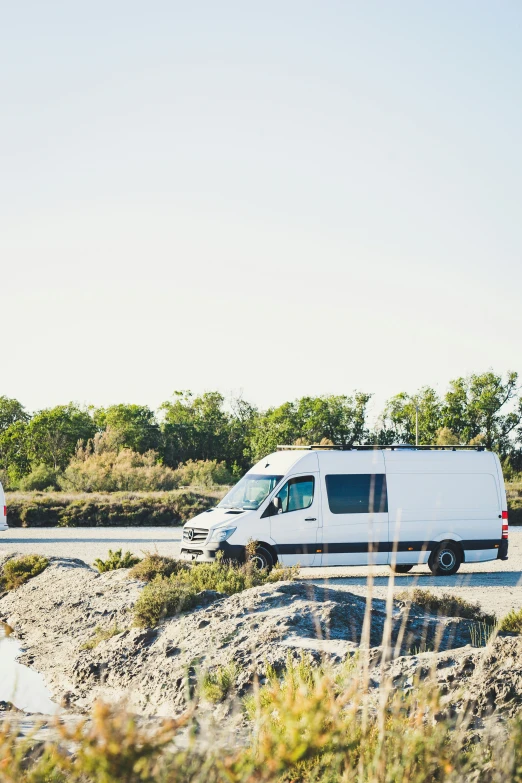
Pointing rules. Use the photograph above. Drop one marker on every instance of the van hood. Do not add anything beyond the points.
(216, 517)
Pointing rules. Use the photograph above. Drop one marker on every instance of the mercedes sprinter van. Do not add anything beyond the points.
(395, 505)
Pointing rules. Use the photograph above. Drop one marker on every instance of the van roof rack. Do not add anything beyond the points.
(390, 446)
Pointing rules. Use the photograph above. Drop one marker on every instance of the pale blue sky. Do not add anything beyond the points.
(282, 198)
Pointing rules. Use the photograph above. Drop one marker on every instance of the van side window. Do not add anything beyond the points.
(296, 494)
(357, 493)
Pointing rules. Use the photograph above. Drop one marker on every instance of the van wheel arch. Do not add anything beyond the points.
(457, 545)
(457, 553)
(269, 548)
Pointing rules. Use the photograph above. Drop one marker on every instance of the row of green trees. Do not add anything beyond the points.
(480, 408)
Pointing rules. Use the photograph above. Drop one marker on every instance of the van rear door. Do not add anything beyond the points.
(435, 496)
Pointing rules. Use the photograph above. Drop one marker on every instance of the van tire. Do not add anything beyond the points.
(445, 560)
(401, 568)
(262, 559)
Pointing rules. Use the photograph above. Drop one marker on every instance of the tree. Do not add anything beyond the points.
(484, 407)
(53, 433)
(132, 426)
(195, 428)
(398, 421)
(338, 419)
(14, 452)
(11, 411)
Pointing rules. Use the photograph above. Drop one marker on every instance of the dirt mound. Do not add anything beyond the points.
(56, 614)
(479, 682)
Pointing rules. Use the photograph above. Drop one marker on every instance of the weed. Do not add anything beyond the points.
(480, 633)
(101, 635)
(20, 569)
(217, 684)
(116, 560)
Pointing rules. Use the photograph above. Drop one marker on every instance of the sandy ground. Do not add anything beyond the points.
(496, 585)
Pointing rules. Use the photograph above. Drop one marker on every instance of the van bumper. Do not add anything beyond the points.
(503, 550)
(208, 553)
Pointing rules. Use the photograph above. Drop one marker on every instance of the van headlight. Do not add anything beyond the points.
(221, 534)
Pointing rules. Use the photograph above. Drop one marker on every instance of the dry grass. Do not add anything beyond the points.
(446, 604)
(101, 635)
(308, 726)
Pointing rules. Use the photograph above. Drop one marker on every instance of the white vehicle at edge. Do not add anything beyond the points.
(395, 505)
(3, 510)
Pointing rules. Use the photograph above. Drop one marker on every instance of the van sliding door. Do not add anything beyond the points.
(355, 509)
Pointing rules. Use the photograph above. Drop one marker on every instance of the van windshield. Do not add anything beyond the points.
(250, 492)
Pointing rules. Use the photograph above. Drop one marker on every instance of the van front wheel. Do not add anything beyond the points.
(445, 560)
(262, 559)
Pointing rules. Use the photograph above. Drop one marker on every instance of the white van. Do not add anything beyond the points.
(395, 505)
(3, 510)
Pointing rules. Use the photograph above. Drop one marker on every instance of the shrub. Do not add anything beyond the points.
(94, 510)
(218, 684)
(512, 622)
(116, 560)
(446, 604)
(40, 479)
(204, 473)
(20, 569)
(162, 597)
(165, 597)
(101, 635)
(101, 467)
(154, 565)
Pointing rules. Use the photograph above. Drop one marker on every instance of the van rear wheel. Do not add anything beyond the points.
(445, 560)
(401, 568)
(262, 559)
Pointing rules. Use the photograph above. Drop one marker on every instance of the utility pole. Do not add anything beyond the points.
(416, 424)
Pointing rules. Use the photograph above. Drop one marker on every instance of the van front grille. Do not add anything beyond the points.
(195, 535)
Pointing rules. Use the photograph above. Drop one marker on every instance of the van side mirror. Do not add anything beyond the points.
(276, 503)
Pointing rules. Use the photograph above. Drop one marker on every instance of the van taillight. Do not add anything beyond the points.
(5, 511)
(505, 529)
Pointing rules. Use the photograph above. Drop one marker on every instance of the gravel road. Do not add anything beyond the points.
(496, 585)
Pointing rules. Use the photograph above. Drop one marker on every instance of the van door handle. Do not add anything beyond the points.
(310, 519)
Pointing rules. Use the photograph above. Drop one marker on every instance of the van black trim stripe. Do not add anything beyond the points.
(382, 546)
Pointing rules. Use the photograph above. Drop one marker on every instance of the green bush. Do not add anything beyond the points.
(116, 560)
(58, 509)
(512, 622)
(162, 597)
(154, 565)
(218, 683)
(41, 478)
(19, 570)
(167, 596)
